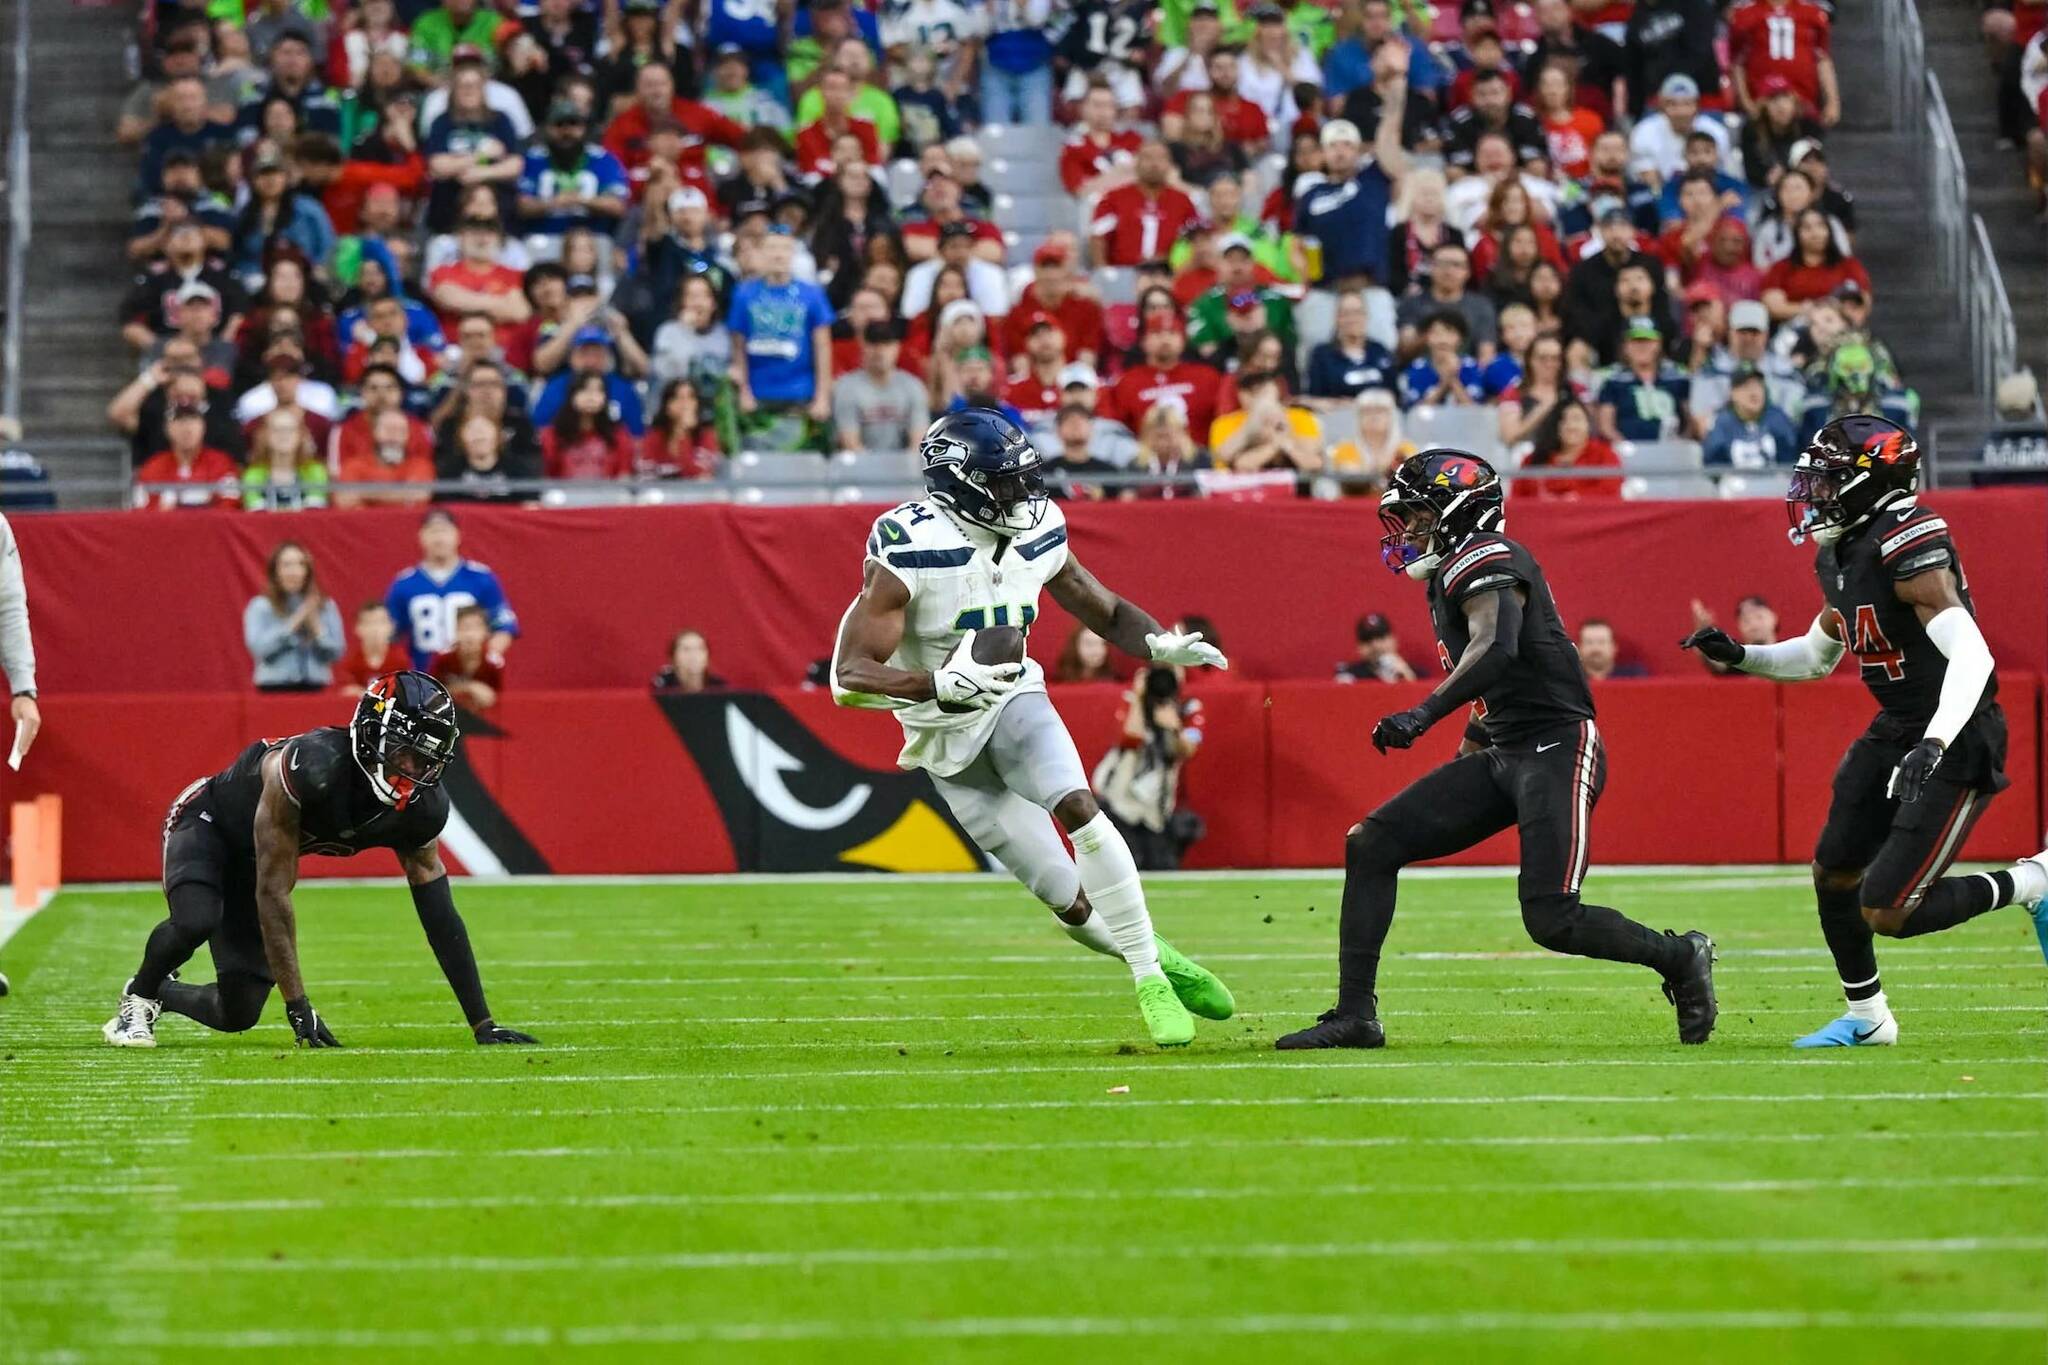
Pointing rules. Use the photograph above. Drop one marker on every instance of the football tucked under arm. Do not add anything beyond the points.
(1812, 655)
(868, 634)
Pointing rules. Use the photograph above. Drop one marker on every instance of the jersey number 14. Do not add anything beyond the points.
(1869, 644)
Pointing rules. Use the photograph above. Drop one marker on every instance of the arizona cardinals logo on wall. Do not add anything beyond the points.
(791, 804)
(481, 834)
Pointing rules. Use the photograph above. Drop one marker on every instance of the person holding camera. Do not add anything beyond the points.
(1138, 782)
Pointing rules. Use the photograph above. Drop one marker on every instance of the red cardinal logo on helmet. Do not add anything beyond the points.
(1455, 473)
(1887, 446)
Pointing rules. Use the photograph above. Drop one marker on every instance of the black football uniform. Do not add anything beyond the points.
(1106, 31)
(210, 832)
(1544, 766)
(1902, 848)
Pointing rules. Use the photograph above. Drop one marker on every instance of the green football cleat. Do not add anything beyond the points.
(1166, 1019)
(1197, 986)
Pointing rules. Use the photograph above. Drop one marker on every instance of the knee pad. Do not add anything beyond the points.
(1371, 846)
(241, 1002)
(1549, 920)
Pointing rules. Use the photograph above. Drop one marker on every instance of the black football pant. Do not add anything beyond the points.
(1886, 855)
(212, 898)
(1545, 787)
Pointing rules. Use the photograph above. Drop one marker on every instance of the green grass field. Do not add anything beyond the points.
(895, 1121)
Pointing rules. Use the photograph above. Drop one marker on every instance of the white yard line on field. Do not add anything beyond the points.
(1178, 1328)
(752, 1150)
(944, 1255)
(1060, 1194)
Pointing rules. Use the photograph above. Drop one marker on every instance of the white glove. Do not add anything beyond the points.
(1186, 648)
(961, 682)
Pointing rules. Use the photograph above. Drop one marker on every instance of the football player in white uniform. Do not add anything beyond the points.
(969, 556)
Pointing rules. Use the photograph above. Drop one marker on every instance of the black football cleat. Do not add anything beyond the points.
(1332, 1029)
(3, 983)
(1691, 989)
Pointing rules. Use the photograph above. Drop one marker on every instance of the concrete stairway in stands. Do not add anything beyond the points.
(1998, 188)
(74, 359)
(1920, 321)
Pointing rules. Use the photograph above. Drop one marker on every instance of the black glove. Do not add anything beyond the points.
(1914, 770)
(1401, 729)
(308, 1028)
(488, 1032)
(1716, 644)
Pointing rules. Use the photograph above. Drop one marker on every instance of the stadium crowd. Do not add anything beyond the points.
(1242, 252)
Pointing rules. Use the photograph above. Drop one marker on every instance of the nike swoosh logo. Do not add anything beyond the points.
(1864, 1034)
(295, 760)
(1546, 748)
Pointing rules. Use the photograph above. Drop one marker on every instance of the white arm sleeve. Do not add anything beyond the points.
(17, 650)
(1812, 655)
(1955, 634)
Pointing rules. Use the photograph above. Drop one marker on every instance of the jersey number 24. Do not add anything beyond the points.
(1869, 644)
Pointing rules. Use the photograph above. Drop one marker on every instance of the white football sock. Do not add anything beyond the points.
(1091, 933)
(2029, 881)
(1110, 876)
(1871, 1010)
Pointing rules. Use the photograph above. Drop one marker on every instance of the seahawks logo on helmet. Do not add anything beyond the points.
(1435, 502)
(978, 463)
(1855, 467)
(403, 735)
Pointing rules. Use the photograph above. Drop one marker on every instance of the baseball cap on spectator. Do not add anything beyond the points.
(1235, 241)
(1051, 253)
(1615, 212)
(1643, 329)
(1699, 291)
(1341, 130)
(653, 6)
(180, 156)
(269, 159)
(960, 308)
(566, 111)
(580, 284)
(881, 333)
(1749, 316)
(1804, 148)
(686, 197)
(729, 50)
(1079, 375)
(1373, 626)
(977, 353)
(1678, 86)
(198, 289)
(1204, 7)
(1850, 289)
(464, 53)
(591, 336)
(1773, 84)
(1745, 374)
(1477, 9)
(956, 229)
(752, 208)
(1273, 14)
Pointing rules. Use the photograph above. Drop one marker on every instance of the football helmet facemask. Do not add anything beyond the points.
(1855, 467)
(1433, 504)
(978, 463)
(403, 735)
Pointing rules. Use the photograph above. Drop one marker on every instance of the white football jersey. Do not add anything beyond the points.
(957, 583)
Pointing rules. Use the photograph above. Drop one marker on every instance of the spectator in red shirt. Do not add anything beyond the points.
(1683, 245)
(1036, 392)
(391, 447)
(1565, 440)
(1098, 156)
(1242, 120)
(680, 442)
(1053, 296)
(470, 672)
(584, 442)
(1787, 39)
(814, 139)
(1569, 128)
(654, 96)
(478, 283)
(1167, 377)
(1140, 221)
(372, 655)
(942, 206)
(212, 479)
(1816, 267)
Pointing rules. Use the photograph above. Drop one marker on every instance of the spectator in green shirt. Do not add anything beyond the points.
(1227, 213)
(870, 101)
(1172, 30)
(438, 32)
(1237, 305)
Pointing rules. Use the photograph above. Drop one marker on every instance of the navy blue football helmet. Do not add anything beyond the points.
(978, 463)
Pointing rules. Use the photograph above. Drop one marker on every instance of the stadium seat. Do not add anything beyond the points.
(1023, 143)
(1025, 212)
(1672, 485)
(1640, 457)
(1024, 176)
(673, 491)
(1339, 425)
(905, 182)
(619, 495)
(850, 467)
(1755, 484)
(756, 475)
(1116, 284)
(1476, 429)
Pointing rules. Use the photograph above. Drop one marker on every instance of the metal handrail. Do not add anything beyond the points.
(19, 219)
